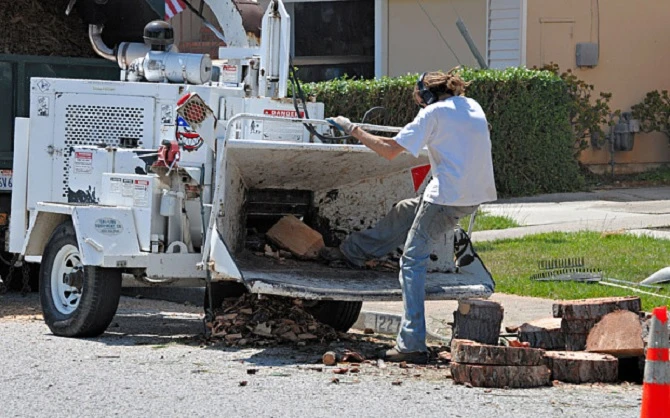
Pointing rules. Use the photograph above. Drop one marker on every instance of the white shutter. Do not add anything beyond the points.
(504, 33)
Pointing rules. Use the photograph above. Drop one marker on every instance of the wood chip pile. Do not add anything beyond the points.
(249, 320)
(38, 27)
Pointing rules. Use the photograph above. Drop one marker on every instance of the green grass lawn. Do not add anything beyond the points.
(486, 222)
(619, 256)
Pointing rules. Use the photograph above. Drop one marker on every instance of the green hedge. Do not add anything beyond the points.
(529, 111)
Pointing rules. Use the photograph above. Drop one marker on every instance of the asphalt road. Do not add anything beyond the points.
(151, 363)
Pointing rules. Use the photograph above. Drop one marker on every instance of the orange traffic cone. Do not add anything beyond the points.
(656, 388)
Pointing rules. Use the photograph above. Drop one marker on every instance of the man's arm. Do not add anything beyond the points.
(385, 147)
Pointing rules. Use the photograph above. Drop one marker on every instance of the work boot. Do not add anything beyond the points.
(414, 357)
(331, 254)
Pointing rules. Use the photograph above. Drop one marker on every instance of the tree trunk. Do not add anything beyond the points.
(500, 376)
(478, 320)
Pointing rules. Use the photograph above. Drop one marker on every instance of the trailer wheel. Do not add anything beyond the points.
(77, 300)
(339, 314)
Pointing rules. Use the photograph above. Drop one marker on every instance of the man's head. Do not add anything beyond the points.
(436, 85)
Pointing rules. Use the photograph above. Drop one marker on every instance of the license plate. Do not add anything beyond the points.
(6, 180)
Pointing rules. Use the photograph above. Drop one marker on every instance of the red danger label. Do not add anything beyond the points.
(283, 113)
(141, 182)
(83, 155)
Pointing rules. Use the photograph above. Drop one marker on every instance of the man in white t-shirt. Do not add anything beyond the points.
(455, 132)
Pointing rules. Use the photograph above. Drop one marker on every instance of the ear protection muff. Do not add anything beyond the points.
(427, 96)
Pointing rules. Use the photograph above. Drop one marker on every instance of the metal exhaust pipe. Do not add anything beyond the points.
(95, 35)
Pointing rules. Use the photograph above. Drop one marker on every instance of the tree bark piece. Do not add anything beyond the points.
(595, 308)
(543, 333)
(578, 326)
(575, 342)
(618, 334)
(581, 367)
(478, 320)
(291, 234)
(501, 376)
(470, 352)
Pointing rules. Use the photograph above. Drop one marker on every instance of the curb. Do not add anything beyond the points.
(388, 324)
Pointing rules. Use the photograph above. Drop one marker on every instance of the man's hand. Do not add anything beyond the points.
(342, 123)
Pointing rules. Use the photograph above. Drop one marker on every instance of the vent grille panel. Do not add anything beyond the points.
(94, 125)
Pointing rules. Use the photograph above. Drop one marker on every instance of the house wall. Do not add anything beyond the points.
(634, 44)
(415, 45)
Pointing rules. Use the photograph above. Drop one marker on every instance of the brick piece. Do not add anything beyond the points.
(470, 352)
(543, 333)
(618, 334)
(293, 235)
(595, 308)
(501, 376)
(581, 367)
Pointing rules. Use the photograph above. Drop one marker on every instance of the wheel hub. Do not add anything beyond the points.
(67, 279)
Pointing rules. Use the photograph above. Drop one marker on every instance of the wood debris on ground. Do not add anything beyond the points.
(250, 320)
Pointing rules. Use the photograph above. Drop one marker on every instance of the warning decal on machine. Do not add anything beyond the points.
(127, 188)
(141, 195)
(108, 226)
(115, 184)
(83, 162)
(283, 113)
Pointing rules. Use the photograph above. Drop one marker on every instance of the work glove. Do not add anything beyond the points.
(342, 123)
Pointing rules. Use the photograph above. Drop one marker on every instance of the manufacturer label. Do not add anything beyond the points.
(108, 226)
(283, 113)
(42, 106)
(83, 162)
(141, 193)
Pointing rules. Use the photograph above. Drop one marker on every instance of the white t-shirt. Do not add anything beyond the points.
(456, 134)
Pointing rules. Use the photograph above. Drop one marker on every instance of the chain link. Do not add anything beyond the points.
(25, 279)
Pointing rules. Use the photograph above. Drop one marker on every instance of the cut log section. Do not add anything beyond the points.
(543, 333)
(581, 367)
(595, 308)
(618, 334)
(501, 376)
(470, 352)
(293, 235)
(478, 320)
(578, 326)
(575, 342)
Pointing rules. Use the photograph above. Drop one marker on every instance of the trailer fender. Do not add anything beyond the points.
(101, 231)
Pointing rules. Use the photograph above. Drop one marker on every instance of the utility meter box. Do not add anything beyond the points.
(587, 54)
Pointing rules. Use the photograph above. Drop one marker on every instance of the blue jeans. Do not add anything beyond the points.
(415, 223)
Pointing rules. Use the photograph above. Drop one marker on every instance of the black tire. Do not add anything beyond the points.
(91, 310)
(339, 314)
(222, 290)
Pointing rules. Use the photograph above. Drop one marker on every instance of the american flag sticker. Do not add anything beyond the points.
(173, 8)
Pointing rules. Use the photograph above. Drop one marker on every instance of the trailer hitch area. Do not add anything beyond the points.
(75, 278)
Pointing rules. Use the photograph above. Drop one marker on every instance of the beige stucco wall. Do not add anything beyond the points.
(414, 45)
(634, 57)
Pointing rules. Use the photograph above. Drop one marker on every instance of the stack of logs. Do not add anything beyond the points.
(586, 341)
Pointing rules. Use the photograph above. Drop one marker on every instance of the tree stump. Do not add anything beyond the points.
(581, 367)
(489, 376)
(478, 320)
(543, 333)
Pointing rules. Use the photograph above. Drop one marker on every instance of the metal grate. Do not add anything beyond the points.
(94, 125)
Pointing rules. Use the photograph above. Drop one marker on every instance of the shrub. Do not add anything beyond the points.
(529, 111)
(654, 112)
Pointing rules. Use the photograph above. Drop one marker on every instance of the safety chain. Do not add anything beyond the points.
(25, 287)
